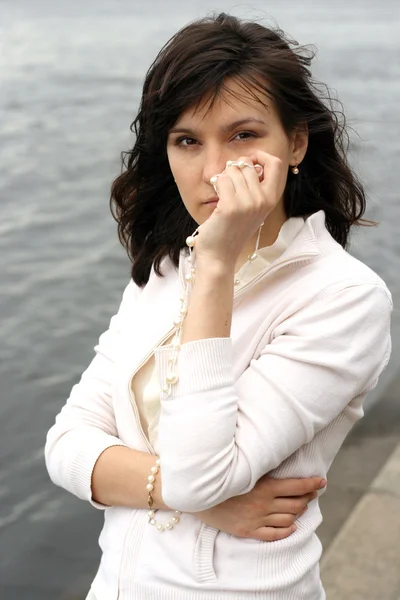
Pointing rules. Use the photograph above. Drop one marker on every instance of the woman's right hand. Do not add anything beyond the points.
(268, 512)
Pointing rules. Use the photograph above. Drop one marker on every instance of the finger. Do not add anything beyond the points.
(260, 157)
(252, 177)
(280, 520)
(243, 173)
(273, 534)
(225, 186)
(238, 177)
(251, 171)
(291, 506)
(273, 173)
(283, 519)
(296, 487)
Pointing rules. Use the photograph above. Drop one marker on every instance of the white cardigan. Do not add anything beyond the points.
(310, 336)
(145, 385)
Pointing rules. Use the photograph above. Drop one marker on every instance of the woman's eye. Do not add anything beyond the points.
(245, 135)
(185, 141)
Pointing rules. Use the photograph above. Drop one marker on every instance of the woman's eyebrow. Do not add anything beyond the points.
(234, 124)
(183, 130)
(224, 128)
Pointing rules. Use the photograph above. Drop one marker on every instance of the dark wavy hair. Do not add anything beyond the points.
(152, 220)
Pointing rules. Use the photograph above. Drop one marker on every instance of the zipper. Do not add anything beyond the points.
(133, 403)
(160, 342)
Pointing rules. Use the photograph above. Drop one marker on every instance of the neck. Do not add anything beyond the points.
(269, 233)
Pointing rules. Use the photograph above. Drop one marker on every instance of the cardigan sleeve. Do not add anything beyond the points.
(86, 426)
(218, 436)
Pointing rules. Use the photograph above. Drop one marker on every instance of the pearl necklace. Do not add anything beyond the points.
(172, 376)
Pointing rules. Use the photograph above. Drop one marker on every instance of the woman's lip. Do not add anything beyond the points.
(211, 201)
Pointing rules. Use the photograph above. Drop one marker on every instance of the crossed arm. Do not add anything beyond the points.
(85, 456)
(267, 513)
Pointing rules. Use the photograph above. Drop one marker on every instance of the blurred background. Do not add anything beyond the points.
(70, 82)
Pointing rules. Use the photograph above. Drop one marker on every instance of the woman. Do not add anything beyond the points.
(247, 339)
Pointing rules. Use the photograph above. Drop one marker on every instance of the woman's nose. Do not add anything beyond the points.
(214, 165)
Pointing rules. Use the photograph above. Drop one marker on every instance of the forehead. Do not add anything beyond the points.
(233, 100)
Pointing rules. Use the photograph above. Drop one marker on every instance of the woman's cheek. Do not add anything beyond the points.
(282, 183)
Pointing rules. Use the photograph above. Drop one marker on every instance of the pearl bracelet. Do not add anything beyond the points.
(150, 501)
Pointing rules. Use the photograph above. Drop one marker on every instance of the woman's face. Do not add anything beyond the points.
(202, 140)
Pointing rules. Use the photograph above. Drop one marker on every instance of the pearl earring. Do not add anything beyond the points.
(295, 170)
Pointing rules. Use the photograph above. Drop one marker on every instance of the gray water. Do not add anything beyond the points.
(70, 77)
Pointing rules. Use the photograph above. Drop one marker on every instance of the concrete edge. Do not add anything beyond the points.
(386, 483)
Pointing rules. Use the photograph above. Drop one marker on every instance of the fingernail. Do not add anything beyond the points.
(323, 484)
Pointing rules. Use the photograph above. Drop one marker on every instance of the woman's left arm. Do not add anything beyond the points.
(217, 436)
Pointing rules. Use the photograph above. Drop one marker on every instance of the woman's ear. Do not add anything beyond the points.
(299, 143)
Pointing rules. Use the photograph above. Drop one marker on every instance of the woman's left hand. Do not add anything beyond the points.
(268, 512)
(244, 203)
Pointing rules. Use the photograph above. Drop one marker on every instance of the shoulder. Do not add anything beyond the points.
(335, 268)
(344, 271)
(130, 293)
(168, 270)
